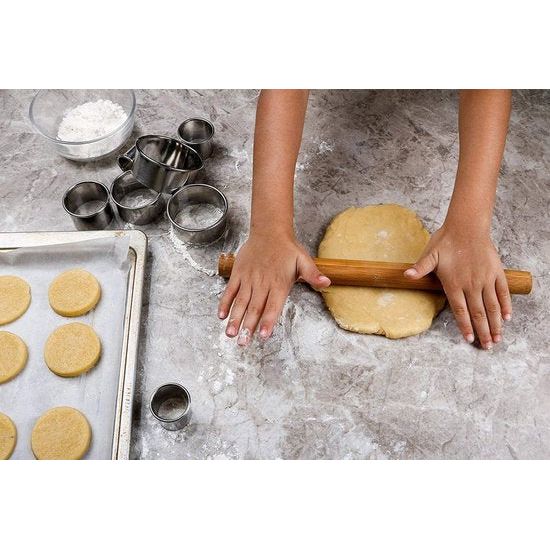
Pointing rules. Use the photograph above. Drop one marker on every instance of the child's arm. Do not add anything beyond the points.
(461, 251)
(271, 260)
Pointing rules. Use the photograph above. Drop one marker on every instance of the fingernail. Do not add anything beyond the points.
(231, 330)
(507, 317)
(221, 314)
(411, 272)
(488, 345)
(497, 338)
(469, 338)
(244, 337)
(323, 279)
(264, 333)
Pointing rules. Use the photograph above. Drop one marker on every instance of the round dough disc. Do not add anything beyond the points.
(384, 233)
(74, 293)
(15, 297)
(62, 433)
(72, 349)
(8, 437)
(13, 355)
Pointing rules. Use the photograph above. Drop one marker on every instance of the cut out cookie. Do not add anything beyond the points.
(62, 433)
(8, 437)
(15, 298)
(74, 293)
(72, 349)
(13, 355)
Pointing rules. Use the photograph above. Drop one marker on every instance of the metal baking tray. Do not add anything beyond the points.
(137, 255)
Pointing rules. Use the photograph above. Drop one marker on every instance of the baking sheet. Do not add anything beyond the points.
(36, 389)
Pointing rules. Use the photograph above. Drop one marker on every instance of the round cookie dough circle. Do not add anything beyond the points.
(8, 437)
(384, 233)
(62, 433)
(74, 293)
(72, 349)
(15, 298)
(13, 355)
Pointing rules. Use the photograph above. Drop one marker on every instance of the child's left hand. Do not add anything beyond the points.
(469, 268)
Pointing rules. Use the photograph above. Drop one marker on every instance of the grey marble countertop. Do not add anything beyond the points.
(315, 390)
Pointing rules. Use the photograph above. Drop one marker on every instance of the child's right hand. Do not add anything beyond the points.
(265, 269)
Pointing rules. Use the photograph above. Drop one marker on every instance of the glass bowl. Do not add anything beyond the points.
(48, 108)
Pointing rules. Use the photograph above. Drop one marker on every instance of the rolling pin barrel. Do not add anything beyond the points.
(384, 275)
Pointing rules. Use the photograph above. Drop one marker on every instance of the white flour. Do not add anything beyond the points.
(139, 197)
(386, 299)
(180, 247)
(172, 408)
(198, 216)
(90, 207)
(91, 120)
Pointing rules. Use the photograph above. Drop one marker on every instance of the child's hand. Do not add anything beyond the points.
(472, 276)
(265, 269)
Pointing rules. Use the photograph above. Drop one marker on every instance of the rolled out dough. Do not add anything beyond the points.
(8, 437)
(74, 293)
(15, 297)
(72, 349)
(385, 233)
(13, 355)
(62, 433)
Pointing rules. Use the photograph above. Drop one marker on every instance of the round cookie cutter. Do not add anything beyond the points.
(198, 133)
(198, 193)
(176, 398)
(86, 192)
(161, 163)
(142, 213)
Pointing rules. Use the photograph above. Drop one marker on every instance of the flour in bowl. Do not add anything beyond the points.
(91, 120)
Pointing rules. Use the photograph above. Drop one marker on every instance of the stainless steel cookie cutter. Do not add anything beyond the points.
(88, 192)
(142, 213)
(171, 405)
(198, 133)
(196, 194)
(161, 163)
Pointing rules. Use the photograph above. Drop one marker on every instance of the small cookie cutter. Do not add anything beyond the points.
(198, 193)
(198, 133)
(85, 192)
(161, 163)
(141, 214)
(180, 395)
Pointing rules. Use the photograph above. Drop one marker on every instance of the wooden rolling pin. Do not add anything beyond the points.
(384, 274)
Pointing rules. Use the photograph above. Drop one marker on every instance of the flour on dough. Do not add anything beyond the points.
(15, 298)
(385, 233)
(62, 433)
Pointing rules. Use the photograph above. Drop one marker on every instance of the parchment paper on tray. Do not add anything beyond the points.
(36, 389)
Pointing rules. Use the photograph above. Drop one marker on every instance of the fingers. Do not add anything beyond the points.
(237, 311)
(492, 310)
(503, 295)
(252, 316)
(422, 267)
(457, 301)
(228, 296)
(309, 272)
(479, 319)
(272, 312)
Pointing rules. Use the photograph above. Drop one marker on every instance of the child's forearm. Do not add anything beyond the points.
(278, 134)
(483, 124)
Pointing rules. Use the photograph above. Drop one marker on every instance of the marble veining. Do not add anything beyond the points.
(315, 390)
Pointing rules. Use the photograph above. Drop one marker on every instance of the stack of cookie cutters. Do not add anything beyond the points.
(163, 171)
